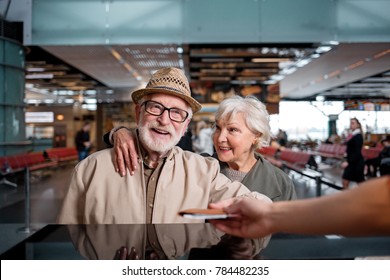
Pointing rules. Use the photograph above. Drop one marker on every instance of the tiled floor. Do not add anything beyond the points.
(46, 199)
(48, 191)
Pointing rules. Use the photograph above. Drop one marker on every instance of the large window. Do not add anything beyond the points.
(309, 120)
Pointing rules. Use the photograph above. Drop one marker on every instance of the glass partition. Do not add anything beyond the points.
(12, 124)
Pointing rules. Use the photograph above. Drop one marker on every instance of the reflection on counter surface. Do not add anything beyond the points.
(185, 241)
(138, 241)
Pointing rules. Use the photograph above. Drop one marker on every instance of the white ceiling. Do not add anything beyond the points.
(345, 64)
(128, 67)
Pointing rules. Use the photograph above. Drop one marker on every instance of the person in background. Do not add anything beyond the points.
(242, 127)
(354, 163)
(169, 179)
(333, 139)
(359, 211)
(384, 157)
(202, 141)
(186, 141)
(83, 142)
(282, 137)
(371, 167)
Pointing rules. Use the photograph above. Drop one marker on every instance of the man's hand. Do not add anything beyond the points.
(251, 217)
(125, 152)
(125, 254)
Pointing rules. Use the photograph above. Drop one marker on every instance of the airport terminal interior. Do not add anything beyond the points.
(64, 63)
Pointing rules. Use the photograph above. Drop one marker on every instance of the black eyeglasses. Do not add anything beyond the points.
(157, 109)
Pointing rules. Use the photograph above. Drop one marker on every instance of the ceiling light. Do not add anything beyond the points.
(40, 90)
(265, 50)
(303, 62)
(90, 92)
(276, 59)
(60, 117)
(35, 69)
(179, 50)
(285, 64)
(90, 107)
(222, 60)
(374, 80)
(270, 82)
(244, 82)
(39, 76)
(257, 78)
(378, 55)
(277, 77)
(90, 101)
(288, 71)
(116, 54)
(323, 49)
(33, 101)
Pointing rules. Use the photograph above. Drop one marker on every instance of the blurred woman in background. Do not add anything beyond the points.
(354, 164)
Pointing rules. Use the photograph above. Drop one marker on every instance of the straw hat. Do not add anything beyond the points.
(170, 81)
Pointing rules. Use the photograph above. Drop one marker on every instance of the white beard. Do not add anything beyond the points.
(158, 145)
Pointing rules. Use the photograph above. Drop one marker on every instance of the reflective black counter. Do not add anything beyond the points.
(185, 241)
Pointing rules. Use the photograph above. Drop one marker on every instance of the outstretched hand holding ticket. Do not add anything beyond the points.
(249, 217)
(361, 211)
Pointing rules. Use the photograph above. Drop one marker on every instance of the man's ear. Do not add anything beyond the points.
(187, 122)
(137, 112)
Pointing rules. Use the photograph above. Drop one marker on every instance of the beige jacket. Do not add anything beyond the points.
(99, 195)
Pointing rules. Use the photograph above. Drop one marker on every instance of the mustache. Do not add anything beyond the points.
(156, 125)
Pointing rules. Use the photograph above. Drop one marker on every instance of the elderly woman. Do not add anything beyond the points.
(242, 126)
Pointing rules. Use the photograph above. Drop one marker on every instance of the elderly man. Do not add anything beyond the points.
(169, 179)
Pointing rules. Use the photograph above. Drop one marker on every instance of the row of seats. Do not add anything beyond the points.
(62, 155)
(35, 161)
(16, 163)
(301, 162)
(295, 160)
(326, 150)
(301, 158)
(337, 151)
(370, 153)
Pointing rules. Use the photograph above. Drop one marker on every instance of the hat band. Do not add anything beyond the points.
(169, 88)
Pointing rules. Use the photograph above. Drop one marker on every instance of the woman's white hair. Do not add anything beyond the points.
(255, 115)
